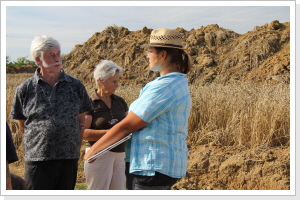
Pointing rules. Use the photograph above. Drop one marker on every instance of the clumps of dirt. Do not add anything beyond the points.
(260, 56)
(228, 58)
(114, 43)
(213, 167)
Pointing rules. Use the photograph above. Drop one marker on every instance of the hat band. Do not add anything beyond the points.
(166, 45)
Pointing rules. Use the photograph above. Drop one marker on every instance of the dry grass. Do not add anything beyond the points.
(239, 115)
(12, 81)
(244, 115)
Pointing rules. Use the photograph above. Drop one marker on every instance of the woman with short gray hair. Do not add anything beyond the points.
(106, 69)
(108, 171)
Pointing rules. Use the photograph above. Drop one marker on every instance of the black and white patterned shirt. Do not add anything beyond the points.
(52, 129)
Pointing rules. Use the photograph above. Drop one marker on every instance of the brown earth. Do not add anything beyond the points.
(260, 56)
(214, 167)
(218, 55)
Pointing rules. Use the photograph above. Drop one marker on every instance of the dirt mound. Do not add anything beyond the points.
(214, 167)
(260, 56)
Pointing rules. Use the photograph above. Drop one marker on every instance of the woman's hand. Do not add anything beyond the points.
(89, 154)
(129, 124)
(88, 158)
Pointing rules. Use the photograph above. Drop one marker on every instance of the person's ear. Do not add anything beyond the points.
(100, 80)
(38, 60)
(164, 54)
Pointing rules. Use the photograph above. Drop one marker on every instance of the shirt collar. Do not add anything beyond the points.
(172, 74)
(63, 76)
(94, 96)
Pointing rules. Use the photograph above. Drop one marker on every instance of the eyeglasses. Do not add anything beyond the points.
(111, 123)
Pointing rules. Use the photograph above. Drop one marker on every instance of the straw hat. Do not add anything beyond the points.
(164, 37)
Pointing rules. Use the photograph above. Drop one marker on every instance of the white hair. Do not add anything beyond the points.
(106, 69)
(41, 44)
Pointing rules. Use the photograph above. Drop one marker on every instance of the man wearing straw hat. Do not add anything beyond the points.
(158, 119)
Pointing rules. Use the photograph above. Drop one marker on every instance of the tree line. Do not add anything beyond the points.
(19, 62)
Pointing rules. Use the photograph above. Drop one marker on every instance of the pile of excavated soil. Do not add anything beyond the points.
(260, 56)
(218, 55)
(214, 167)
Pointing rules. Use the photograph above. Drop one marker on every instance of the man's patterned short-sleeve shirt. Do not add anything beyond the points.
(52, 129)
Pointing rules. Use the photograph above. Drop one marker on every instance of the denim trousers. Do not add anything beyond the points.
(158, 182)
(129, 177)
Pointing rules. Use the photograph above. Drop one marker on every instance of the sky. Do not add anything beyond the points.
(74, 23)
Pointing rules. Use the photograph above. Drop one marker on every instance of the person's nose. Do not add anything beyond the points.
(57, 58)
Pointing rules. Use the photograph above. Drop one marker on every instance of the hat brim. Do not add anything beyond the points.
(147, 46)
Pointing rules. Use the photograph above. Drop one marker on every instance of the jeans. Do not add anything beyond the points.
(129, 177)
(158, 182)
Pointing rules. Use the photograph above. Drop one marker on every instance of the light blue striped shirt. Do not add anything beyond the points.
(161, 145)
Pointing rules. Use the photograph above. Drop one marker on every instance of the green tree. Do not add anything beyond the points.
(8, 62)
(20, 62)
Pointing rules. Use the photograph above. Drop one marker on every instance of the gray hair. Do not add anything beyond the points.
(106, 69)
(41, 44)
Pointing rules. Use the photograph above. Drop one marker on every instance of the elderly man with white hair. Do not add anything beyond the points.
(50, 109)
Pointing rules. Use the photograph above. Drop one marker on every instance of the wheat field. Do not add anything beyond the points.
(236, 115)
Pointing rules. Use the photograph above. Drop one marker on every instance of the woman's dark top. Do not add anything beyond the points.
(102, 115)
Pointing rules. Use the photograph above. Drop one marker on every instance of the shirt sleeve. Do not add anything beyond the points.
(86, 103)
(153, 102)
(91, 111)
(17, 106)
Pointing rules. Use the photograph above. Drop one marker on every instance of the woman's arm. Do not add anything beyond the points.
(91, 134)
(129, 124)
